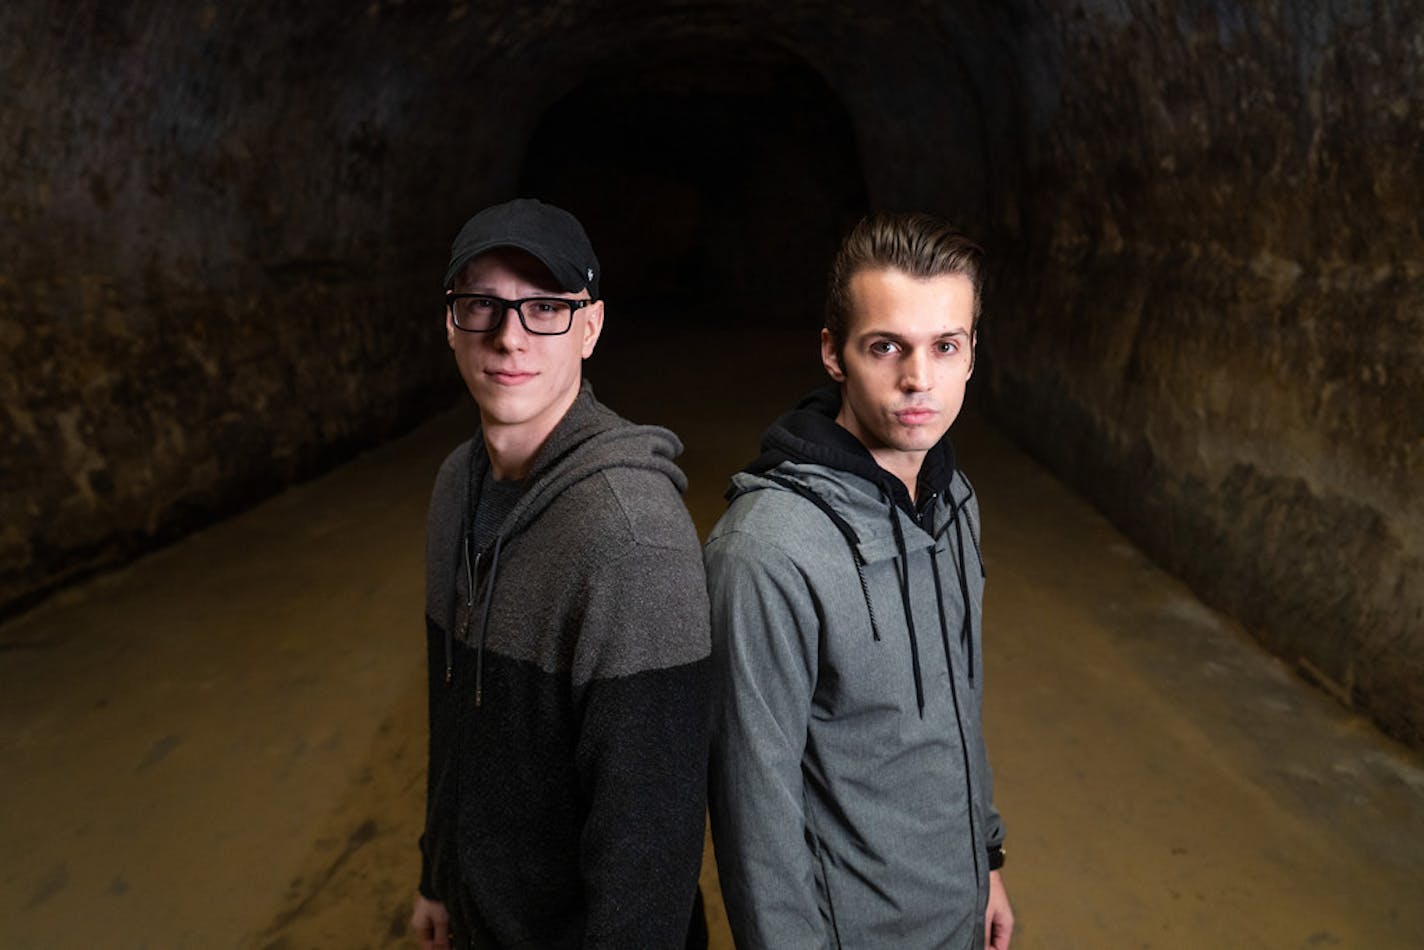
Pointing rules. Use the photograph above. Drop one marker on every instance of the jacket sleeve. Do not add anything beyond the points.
(765, 636)
(992, 822)
(436, 845)
(642, 746)
(444, 523)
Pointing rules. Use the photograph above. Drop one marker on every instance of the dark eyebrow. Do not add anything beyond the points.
(896, 338)
(882, 335)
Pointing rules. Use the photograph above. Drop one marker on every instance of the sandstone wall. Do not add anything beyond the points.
(1211, 317)
(213, 276)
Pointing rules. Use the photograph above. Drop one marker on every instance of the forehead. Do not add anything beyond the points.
(887, 300)
(498, 268)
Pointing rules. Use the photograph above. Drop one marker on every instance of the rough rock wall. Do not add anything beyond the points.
(213, 276)
(1214, 323)
(224, 225)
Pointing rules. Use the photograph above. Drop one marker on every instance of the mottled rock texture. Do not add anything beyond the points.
(206, 279)
(224, 229)
(1212, 312)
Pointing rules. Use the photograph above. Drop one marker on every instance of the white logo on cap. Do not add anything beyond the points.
(589, 272)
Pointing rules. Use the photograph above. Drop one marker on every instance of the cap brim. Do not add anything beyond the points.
(459, 263)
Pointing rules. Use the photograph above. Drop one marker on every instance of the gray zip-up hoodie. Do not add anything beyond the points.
(850, 791)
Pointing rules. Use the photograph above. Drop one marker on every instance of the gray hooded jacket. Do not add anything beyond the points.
(850, 793)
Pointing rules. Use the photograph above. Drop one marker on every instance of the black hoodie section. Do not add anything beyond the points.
(810, 434)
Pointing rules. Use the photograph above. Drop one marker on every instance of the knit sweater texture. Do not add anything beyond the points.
(568, 695)
(851, 796)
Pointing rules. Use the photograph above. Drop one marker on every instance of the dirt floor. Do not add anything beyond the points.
(222, 745)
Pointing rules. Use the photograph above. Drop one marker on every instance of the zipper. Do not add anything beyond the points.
(470, 571)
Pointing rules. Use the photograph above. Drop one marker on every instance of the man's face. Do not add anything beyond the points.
(517, 378)
(908, 353)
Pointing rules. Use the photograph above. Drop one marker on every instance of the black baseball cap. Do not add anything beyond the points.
(551, 234)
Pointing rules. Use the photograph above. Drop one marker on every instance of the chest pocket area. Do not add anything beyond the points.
(867, 661)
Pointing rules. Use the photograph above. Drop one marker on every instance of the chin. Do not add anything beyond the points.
(921, 441)
(503, 407)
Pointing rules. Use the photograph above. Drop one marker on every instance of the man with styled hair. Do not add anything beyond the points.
(851, 798)
(566, 623)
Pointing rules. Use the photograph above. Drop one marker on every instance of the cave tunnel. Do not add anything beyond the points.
(1204, 323)
(717, 195)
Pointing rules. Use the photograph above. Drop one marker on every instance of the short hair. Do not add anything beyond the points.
(918, 244)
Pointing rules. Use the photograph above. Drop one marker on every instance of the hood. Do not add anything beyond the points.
(808, 453)
(810, 435)
(590, 439)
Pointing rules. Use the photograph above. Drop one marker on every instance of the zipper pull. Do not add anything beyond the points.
(469, 577)
(924, 508)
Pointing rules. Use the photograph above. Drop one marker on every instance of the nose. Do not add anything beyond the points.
(915, 371)
(510, 334)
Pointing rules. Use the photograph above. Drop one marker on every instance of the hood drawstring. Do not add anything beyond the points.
(959, 519)
(809, 435)
(966, 628)
(471, 569)
(487, 597)
(902, 569)
(469, 542)
(484, 619)
(939, 599)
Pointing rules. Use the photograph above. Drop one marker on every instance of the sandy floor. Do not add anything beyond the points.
(222, 745)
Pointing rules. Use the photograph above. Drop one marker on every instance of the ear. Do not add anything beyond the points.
(973, 353)
(449, 329)
(830, 359)
(592, 327)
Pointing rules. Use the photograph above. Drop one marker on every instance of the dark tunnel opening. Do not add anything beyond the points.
(715, 190)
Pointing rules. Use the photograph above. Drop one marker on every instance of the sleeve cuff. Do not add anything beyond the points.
(426, 885)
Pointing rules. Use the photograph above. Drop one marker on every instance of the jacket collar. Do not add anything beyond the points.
(810, 435)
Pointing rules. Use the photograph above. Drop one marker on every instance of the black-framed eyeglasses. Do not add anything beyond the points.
(542, 316)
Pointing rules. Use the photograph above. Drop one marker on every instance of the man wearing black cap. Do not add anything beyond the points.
(567, 626)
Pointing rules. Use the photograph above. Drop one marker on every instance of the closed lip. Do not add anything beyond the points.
(509, 377)
(915, 416)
